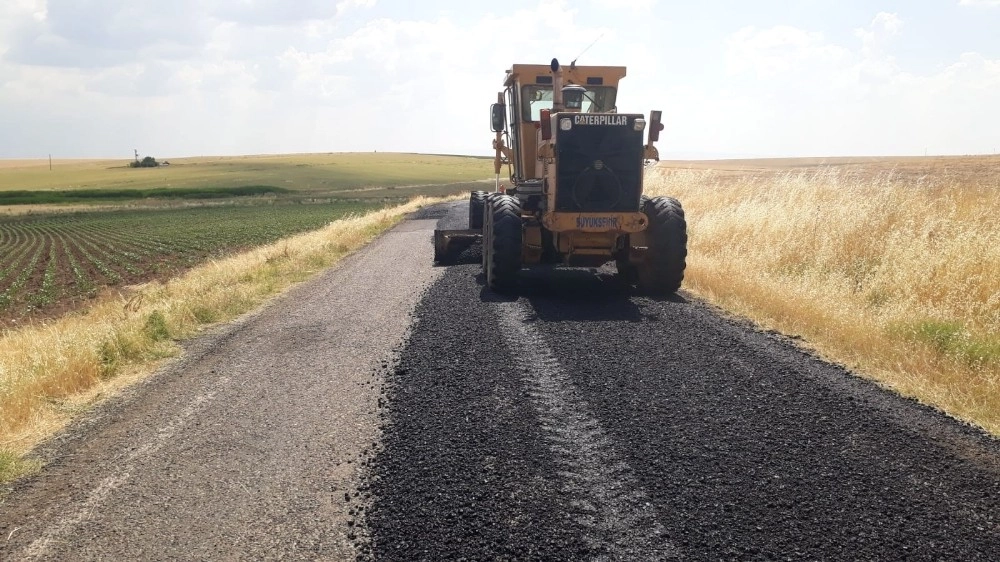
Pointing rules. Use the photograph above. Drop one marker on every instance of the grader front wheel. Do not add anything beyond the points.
(662, 270)
(502, 243)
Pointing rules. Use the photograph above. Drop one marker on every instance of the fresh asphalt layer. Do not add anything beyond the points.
(577, 420)
(395, 410)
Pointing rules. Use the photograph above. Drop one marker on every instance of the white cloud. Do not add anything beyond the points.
(629, 5)
(823, 98)
(779, 50)
(223, 76)
(346, 5)
(278, 12)
(71, 33)
(268, 81)
(876, 37)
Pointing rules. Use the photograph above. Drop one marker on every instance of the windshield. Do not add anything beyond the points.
(535, 98)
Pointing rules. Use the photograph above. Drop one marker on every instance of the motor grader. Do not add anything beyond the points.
(575, 193)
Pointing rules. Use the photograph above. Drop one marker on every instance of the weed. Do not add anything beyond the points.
(156, 328)
(13, 466)
(205, 314)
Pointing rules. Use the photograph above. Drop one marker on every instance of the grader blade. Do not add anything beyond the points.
(448, 244)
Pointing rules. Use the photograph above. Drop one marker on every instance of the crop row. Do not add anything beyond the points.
(49, 262)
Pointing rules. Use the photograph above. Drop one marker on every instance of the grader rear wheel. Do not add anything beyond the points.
(477, 201)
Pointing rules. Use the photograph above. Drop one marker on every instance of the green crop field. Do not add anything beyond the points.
(49, 263)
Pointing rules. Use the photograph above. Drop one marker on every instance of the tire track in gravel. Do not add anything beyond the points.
(463, 471)
(619, 519)
(70, 522)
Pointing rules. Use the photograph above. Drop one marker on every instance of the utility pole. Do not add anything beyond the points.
(50, 162)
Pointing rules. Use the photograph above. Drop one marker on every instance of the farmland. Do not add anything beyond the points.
(302, 176)
(48, 263)
(85, 226)
(50, 369)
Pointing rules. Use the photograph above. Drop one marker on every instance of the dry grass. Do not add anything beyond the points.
(47, 372)
(892, 268)
(48, 209)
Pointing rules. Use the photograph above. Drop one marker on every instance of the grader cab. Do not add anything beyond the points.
(575, 196)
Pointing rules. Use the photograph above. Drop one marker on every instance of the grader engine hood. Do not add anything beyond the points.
(599, 162)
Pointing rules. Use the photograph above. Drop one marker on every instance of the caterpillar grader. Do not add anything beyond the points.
(575, 196)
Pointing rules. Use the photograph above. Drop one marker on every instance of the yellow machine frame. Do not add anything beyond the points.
(575, 234)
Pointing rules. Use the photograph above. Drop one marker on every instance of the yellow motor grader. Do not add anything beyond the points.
(576, 182)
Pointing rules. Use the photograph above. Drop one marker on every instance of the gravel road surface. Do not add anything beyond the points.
(251, 446)
(398, 411)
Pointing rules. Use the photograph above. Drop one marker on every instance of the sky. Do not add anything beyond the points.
(172, 78)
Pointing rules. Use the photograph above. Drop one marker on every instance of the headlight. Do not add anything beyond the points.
(565, 124)
(639, 124)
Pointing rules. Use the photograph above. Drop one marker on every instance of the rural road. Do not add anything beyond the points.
(395, 410)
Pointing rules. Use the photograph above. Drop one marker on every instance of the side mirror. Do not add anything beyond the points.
(498, 117)
(655, 126)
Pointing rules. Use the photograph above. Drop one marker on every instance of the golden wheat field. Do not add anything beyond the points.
(889, 266)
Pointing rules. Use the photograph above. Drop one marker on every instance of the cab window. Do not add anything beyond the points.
(535, 98)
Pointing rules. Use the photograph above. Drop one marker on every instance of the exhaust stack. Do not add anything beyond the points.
(557, 84)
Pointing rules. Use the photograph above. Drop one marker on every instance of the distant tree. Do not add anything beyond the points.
(147, 162)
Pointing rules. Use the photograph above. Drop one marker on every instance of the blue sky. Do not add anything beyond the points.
(97, 78)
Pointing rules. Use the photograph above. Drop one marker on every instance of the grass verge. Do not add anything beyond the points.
(897, 277)
(49, 372)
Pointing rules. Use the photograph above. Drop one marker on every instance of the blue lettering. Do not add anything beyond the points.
(597, 222)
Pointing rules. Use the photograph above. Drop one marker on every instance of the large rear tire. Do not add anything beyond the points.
(662, 270)
(477, 200)
(487, 226)
(502, 243)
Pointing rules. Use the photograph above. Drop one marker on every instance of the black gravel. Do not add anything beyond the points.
(752, 449)
(463, 471)
(745, 447)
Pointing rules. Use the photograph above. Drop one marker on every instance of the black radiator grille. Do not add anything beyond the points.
(599, 166)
